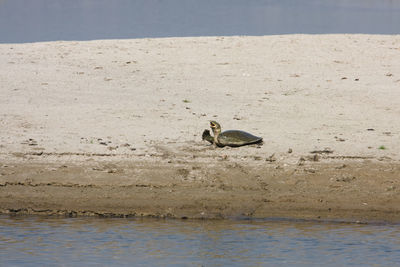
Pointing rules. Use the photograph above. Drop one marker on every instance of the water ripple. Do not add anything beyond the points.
(127, 242)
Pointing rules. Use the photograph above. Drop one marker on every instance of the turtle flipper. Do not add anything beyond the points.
(206, 136)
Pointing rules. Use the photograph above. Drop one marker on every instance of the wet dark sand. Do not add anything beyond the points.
(354, 190)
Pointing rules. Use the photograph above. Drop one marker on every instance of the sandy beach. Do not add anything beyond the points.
(113, 127)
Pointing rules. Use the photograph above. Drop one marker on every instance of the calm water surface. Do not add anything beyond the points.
(45, 241)
(50, 20)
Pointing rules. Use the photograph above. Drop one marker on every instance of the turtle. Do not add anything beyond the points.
(232, 138)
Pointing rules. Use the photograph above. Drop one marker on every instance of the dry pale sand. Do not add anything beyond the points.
(114, 127)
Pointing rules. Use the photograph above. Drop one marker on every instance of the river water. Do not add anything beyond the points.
(59, 241)
(50, 20)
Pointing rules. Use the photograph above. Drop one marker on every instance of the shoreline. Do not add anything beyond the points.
(113, 127)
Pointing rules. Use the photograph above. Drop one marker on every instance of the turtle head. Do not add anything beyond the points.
(215, 127)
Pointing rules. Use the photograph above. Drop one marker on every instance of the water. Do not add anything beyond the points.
(45, 241)
(50, 20)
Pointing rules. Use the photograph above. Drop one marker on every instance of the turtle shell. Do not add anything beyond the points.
(237, 138)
